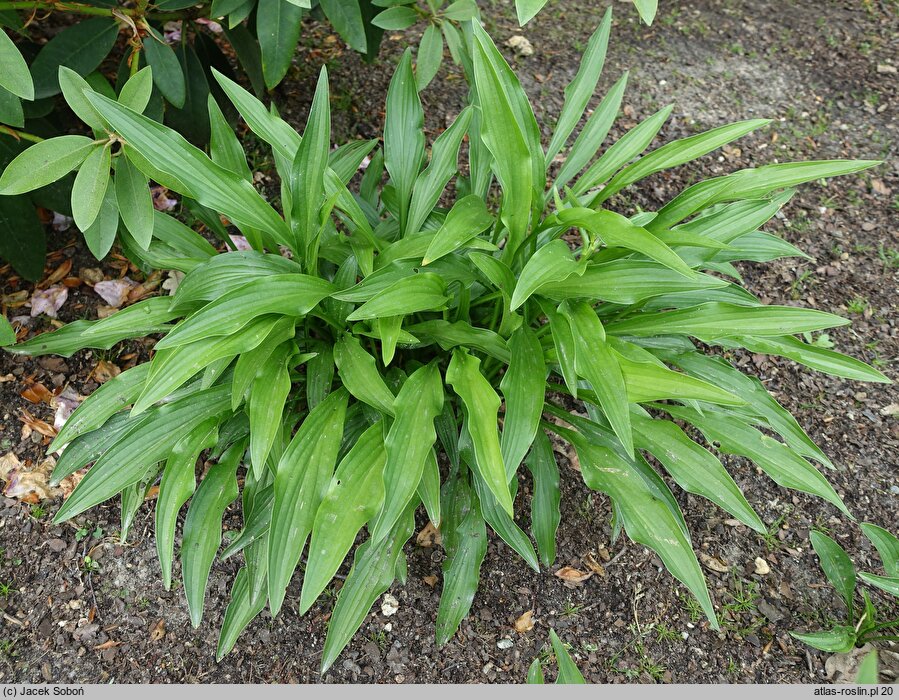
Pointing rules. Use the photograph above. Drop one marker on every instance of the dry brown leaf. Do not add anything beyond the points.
(109, 644)
(37, 393)
(32, 484)
(430, 580)
(104, 371)
(713, 563)
(525, 623)
(158, 631)
(594, 566)
(37, 425)
(59, 273)
(572, 576)
(429, 536)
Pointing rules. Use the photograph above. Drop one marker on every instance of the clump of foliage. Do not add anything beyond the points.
(324, 386)
(262, 34)
(863, 624)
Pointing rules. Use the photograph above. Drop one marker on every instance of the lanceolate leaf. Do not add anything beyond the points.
(360, 375)
(81, 47)
(545, 512)
(836, 564)
(409, 440)
(568, 671)
(404, 140)
(278, 28)
(301, 481)
(44, 162)
(481, 405)
(554, 262)
(135, 201)
(268, 394)
(353, 497)
(466, 220)
(90, 187)
(887, 546)
(203, 527)
(15, 76)
(523, 387)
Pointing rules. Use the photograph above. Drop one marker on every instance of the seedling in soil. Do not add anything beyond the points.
(38, 511)
(664, 633)
(858, 305)
(89, 565)
(6, 589)
(570, 610)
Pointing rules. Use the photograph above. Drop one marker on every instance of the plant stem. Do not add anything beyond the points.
(23, 135)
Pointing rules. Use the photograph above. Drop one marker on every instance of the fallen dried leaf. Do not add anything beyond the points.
(104, 371)
(430, 580)
(594, 566)
(90, 275)
(525, 623)
(64, 404)
(429, 536)
(713, 563)
(109, 644)
(158, 631)
(573, 576)
(37, 393)
(37, 425)
(32, 485)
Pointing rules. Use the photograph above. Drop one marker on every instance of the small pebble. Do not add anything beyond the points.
(761, 567)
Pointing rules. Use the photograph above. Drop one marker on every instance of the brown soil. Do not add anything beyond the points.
(826, 72)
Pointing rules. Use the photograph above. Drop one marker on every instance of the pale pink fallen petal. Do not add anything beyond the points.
(212, 26)
(171, 31)
(161, 200)
(61, 222)
(48, 301)
(241, 243)
(172, 281)
(65, 403)
(114, 292)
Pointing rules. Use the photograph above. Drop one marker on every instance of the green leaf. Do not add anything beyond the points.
(319, 374)
(545, 512)
(303, 475)
(887, 546)
(359, 374)
(184, 168)
(620, 153)
(649, 381)
(597, 364)
(404, 139)
(429, 488)
(720, 320)
(23, 241)
(431, 182)
(627, 282)
(481, 405)
(676, 153)
(647, 9)
(409, 441)
(15, 76)
(353, 497)
(466, 220)
(868, 672)
(346, 18)
(777, 460)
(429, 56)
(81, 47)
(11, 112)
(73, 87)
(813, 356)
(290, 294)
(136, 92)
(554, 262)
(203, 528)
(593, 134)
(90, 186)
(890, 584)
(168, 76)
(695, 469)
(269, 392)
(836, 565)
(526, 9)
(241, 610)
(7, 333)
(278, 26)
(135, 202)
(503, 133)
(568, 671)
(224, 146)
(144, 442)
(374, 567)
(465, 541)
(564, 344)
(396, 18)
(100, 235)
(839, 640)
(177, 485)
(523, 387)
(503, 525)
(648, 520)
(535, 673)
(44, 162)
(308, 173)
(579, 91)
(422, 292)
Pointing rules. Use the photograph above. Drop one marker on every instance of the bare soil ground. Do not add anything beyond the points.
(826, 72)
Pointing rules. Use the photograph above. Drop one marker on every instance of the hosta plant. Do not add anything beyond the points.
(424, 336)
(863, 623)
(175, 42)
